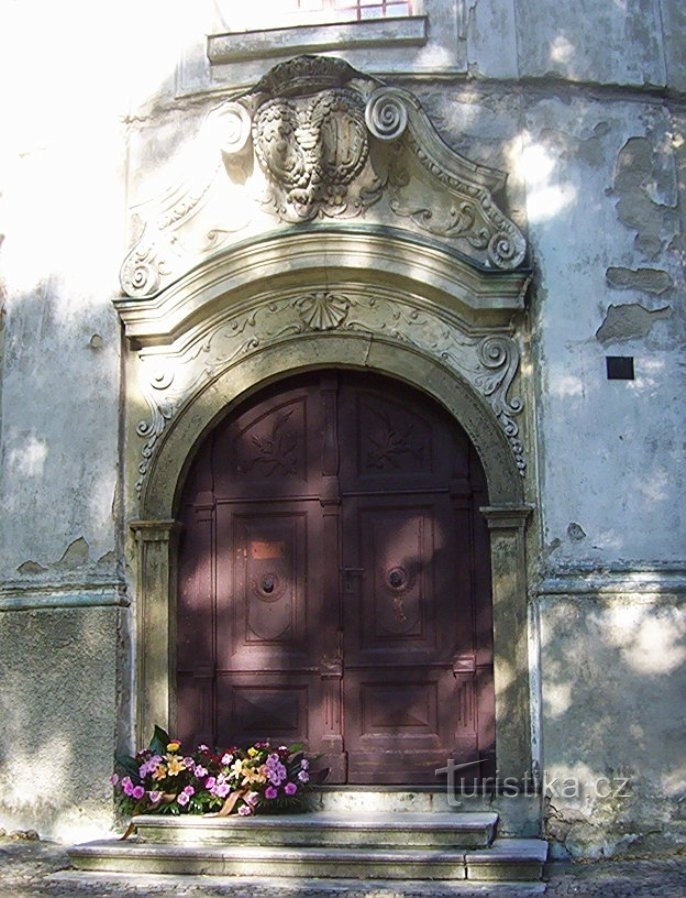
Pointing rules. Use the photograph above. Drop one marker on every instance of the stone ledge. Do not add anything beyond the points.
(240, 46)
(33, 597)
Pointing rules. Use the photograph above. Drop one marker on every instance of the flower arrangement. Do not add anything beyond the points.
(166, 779)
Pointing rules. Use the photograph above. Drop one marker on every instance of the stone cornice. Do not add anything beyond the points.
(317, 140)
(18, 596)
(282, 259)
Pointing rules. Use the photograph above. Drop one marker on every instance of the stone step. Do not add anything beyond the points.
(506, 860)
(323, 830)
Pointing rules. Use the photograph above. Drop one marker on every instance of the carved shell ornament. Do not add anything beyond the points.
(323, 311)
(316, 139)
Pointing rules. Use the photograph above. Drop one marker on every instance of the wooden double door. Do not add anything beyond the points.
(334, 582)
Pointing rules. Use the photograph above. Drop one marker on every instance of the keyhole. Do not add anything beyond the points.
(267, 584)
(395, 578)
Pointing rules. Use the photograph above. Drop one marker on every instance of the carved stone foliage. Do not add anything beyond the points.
(490, 363)
(315, 139)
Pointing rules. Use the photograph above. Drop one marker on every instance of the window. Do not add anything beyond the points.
(357, 9)
(269, 14)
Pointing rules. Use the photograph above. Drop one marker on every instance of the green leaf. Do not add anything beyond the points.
(317, 777)
(159, 741)
(127, 764)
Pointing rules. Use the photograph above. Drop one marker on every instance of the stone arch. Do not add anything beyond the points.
(327, 351)
(155, 532)
(402, 263)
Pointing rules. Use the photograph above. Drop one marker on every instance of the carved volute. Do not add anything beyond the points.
(322, 206)
(317, 140)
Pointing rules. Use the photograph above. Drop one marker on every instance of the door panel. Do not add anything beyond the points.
(260, 705)
(334, 583)
(394, 545)
(262, 583)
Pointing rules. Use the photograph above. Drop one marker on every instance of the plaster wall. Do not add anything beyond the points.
(596, 150)
(613, 735)
(59, 674)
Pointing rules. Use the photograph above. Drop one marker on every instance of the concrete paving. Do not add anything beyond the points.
(38, 869)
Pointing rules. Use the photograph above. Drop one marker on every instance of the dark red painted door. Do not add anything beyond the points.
(334, 582)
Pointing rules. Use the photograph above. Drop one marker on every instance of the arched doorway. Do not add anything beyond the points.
(334, 581)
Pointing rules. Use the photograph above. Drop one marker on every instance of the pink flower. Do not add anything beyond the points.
(149, 766)
(114, 779)
(304, 776)
(189, 790)
(200, 771)
(244, 810)
(204, 748)
(210, 783)
(290, 788)
(138, 792)
(127, 786)
(183, 799)
(155, 796)
(270, 792)
(221, 790)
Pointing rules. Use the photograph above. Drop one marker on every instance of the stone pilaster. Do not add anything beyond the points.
(507, 526)
(156, 623)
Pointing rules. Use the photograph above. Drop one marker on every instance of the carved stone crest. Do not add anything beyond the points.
(316, 139)
(313, 151)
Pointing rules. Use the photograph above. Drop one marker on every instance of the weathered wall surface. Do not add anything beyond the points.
(62, 201)
(613, 733)
(59, 674)
(583, 106)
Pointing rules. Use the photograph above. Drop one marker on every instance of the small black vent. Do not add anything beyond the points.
(620, 367)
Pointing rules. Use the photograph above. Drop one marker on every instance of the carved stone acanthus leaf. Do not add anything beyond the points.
(489, 363)
(316, 139)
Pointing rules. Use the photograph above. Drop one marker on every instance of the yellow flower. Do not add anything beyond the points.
(252, 775)
(174, 745)
(252, 752)
(237, 767)
(176, 765)
(159, 772)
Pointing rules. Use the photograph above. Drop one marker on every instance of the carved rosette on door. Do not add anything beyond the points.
(334, 582)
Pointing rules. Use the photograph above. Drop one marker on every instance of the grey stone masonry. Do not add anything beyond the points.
(41, 870)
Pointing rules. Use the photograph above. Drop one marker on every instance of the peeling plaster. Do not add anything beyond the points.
(576, 532)
(639, 178)
(585, 149)
(648, 280)
(629, 322)
(75, 555)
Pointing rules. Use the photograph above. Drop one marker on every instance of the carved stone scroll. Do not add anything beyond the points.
(315, 139)
(489, 363)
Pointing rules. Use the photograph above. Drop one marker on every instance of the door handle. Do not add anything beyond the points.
(348, 574)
